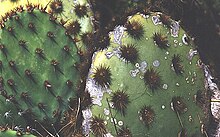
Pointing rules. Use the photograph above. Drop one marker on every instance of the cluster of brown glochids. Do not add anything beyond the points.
(160, 40)
(129, 53)
(178, 67)
(166, 20)
(94, 41)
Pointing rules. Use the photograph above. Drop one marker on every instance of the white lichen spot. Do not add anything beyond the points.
(177, 84)
(199, 63)
(113, 120)
(17, 128)
(165, 86)
(175, 41)
(106, 111)
(7, 114)
(95, 91)
(171, 106)
(180, 44)
(120, 123)
(165, 58)
(118, 33)
(145, 16)
(137, 65)
(167, 53)
(87, 115)
(111, 104)
(175, 29)
(190, 118)
(156, 20)
(141, 77)
(109, 91)
(105, 122)
(116, 52)
(184, 39)
(192, 53)
(172, 68)
(20, 113)
(194, 74)
(140, 118)
(129, 17)
(212, 86)
(71, 11)
(109, 55)
(134, 73)
(7, 101)
(163, 106)
(156, 63)
(143, 66)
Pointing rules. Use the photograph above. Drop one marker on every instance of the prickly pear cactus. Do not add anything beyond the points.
(145, 83)
(38, 68)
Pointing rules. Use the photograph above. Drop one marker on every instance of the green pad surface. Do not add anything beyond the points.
(185, 85)
(40, 65)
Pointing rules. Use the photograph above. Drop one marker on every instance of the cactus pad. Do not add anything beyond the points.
(159, 76)
(38, 73)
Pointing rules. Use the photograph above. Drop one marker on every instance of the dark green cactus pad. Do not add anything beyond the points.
(38, 68)
(161, 82)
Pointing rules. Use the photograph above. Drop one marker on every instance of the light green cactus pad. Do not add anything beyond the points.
(182, 78)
